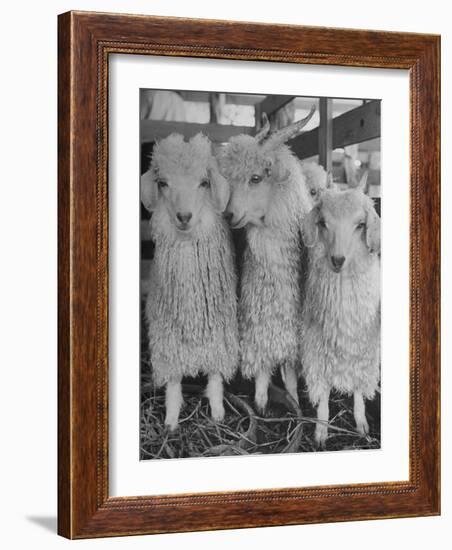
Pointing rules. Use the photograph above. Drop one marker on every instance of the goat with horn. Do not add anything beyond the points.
(269, 198)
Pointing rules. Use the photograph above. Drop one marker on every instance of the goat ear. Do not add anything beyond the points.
(362, 183)
(149, 191)
(310, 230)
(219, 188)
(373, 230)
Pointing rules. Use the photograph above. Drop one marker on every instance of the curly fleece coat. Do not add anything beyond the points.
(341, 318)
(270, 301)
(191, 307)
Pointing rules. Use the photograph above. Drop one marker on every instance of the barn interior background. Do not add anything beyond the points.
(344, 137)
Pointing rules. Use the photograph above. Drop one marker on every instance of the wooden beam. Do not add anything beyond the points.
(233, 99)
(340, 105)
(355, 126)
(158, 129)
(325, 134)
(243, 99)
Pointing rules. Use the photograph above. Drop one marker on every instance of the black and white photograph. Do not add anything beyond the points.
(260, 274)
(222, 260)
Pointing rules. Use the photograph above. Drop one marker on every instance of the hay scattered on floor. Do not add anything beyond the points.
(283, 429)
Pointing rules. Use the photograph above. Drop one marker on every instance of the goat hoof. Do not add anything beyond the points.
(321, 435)
(171, 425)
(363, 427)
(218, 413)
(297, 401)
(261, 404)
(294, 396)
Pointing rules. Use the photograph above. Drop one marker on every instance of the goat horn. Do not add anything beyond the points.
(289, 132)
(265, 128)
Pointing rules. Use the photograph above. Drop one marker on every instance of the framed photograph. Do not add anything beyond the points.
(249, 265)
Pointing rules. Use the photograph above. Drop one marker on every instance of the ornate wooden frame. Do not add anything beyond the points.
(85, 42)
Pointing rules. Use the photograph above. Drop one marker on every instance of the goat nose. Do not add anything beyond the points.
(184, 217)
(337, 261)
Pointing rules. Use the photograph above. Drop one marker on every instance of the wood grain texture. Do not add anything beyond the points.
(85, 42)
(64, 295)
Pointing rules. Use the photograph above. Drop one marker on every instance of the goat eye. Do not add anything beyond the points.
(162, 183)
(322, 224)
(361, 225)
(205, 183)
(313, 192)
(255, 179)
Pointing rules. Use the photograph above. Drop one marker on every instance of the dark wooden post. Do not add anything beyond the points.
(213, 107)
(257, 117)
(326, 133)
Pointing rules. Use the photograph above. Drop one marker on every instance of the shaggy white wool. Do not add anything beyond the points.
(174, 155)
(340, 344)
(272, 278)
(191, 307)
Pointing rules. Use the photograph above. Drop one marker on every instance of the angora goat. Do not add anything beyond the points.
(341, 310)
(191, 307)
(269, 198)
